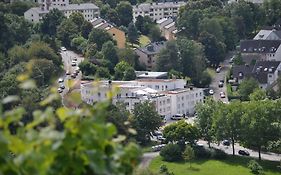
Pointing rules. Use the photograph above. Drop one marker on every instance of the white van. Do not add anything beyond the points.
(177, 117)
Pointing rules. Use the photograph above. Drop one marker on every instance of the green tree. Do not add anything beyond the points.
(168, 58)
(125, 12)
(143, 24)
(181, 132)
(247, 87)
(205, 120)
(133, 35)
(213, 27)
(123, 71)
(16, 55)
(112, 16)
(78, 19)
(272, 10)
(103, 72)
(79, 43)
(145, 119)
(99, 37)
(67, 30)
(188, 154)
(128, 55)
(19, 7)
(51, 21)
(87, 68)
(154, 33)
(86, 28)
(258, 94)
(214, 49)
(109, 53)
(171, 152)
(91, 50)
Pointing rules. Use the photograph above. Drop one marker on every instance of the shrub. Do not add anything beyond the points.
(218, 154)
(164, 170)
(201, 152)
(171, 153)
(255, 167)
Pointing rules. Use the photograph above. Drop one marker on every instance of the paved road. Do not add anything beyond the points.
(67, 57)
(228, 150)
(225, 66)
(146, 159)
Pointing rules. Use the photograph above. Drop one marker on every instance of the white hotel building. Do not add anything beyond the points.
(157, 10)
(35, 14)
(169, 96)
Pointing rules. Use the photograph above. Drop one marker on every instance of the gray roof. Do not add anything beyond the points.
(155, 5)
(263, 68)
(100, 23)
(38, 10)
(242, 71)
(153, 48)
(164, 22)
(156, 75)
(259, 46)
(83, 6)
(251, 58)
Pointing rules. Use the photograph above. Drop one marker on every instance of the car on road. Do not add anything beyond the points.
(60, 90)
(62, 87)
(220, 84)
(222, 94)
(75, 59)
(226, 142)
(73, 64)
(218, 70)
(177, 117)
(211, 92)
(73, 75)
(63, 49)
(244, 153)
(67, 73)
(157, 147)
(61, 80)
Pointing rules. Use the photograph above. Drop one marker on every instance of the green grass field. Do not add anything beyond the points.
(143, 40)
(231, 166)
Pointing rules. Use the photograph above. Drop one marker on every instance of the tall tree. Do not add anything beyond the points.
(67, 30)
(213, 27)
(109, 53)
(125, 12)
(155, 33)
(272, 10)
(145, 120)
(86, 28)
(123, 71)
(99, 37)
(247, 87)
(133, 34)
(51, 21)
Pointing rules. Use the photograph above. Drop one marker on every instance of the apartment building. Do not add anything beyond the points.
(35, 14)
(117, 34)
(157, 10)
(169, 96)
(148, 54)
(168, 28)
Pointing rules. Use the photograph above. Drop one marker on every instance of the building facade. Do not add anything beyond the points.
(35, 14)
(148, 54)
(169, 96)
(168, 28)
(117, 34)
(157, 10)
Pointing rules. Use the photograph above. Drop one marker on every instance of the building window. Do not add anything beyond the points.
(270, 76)
(156, 86)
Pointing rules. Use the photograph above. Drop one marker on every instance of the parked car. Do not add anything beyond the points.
(226, 143)
(67, 73)
(177, 117)
(75, 59)
(222, 94)
(211, 92)
(220, 84)
(63, 49)
(218, 70)
(62, 87)
(61, 80)
(73, 64)
(60, 90)
(244, 153)
(73, 75)
(157, 147)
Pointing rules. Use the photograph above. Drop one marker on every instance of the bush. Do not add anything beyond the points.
(201, 152)
(218, 154)
(255, 167)
(171, 153)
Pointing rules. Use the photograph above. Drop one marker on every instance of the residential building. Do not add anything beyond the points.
(157, 10)
(169, 96)
(148, 54)
(168, 28)
(117, 34)
(88, 10)
(268, 35)
(151, 75)
(260, 2)
(265, 72)
(268, 49)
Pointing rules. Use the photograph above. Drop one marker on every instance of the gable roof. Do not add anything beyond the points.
(263, 68)
(100, 23)
(242, 71)
(259, 46)
(251, 59)
(153, 48)
(263, 34)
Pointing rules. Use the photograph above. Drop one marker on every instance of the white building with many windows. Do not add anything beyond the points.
(35, 14)
(169, 96)
(157, 10)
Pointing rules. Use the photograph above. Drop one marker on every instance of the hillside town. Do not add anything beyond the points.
(140, 87)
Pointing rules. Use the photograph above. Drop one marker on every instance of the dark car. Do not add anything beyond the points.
(226, 143)
(244, 153)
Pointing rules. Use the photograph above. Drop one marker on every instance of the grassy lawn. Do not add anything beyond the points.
(231, 166)
(144, 40)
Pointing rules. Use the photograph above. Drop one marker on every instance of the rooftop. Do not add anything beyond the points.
(83, 6)
(146, 74)
(259, 46)
(263, 68)
(100, 23)
(153, 48)
(148, 6)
